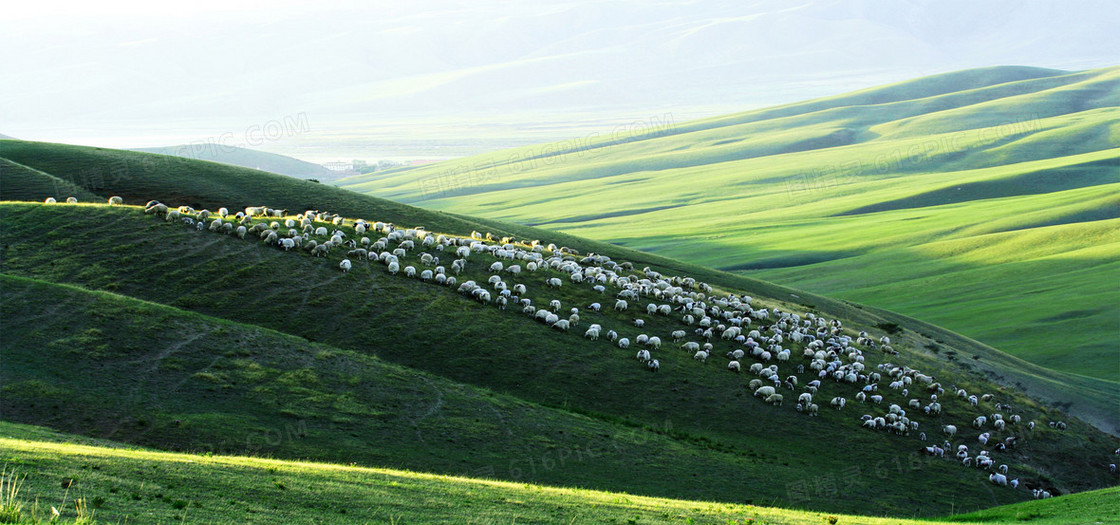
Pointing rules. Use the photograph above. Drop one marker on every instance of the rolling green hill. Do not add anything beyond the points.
(248, 158)
(986, 201)
(139, 177)
(29, 184)
(185, 317)
(118, 482)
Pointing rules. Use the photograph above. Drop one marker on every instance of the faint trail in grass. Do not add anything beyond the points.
(435, 407)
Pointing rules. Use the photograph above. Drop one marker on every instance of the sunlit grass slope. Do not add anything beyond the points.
(955, 198)
(120, 483)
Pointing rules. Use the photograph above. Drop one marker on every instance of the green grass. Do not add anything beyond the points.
(139, 177)
(132, 484)
(103, 286)
(695, 421)
(957, 199)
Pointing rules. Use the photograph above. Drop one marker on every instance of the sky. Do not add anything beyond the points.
(337, 79)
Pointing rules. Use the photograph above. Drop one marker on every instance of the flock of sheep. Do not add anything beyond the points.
(745, 332)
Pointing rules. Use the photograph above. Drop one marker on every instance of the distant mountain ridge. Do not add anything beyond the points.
(248, 158)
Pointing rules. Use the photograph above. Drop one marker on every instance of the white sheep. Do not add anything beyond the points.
(734, 366)
(998, 479)
(51, 200)
(71, 200)
(654, 365)
(643, 355)
(620, 305)
(624, 343)
(345, 265)
(115, 201)
(701, 355)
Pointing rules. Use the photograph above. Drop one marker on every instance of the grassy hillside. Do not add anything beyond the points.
(160, 376)
(957, 199)
(699, 411)
(247, 158)
(139, 177)
(701, 416)
(123, 483)
(21, 183)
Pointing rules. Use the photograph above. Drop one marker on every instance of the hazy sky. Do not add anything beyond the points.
(155, 73)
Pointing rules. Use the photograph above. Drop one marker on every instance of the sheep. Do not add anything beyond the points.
(643, 355)
(286, 244)
(639, 322)
(654, 365)
(701, 355)
(241, 231)
(838, 402)
(734, 366)
(620, 305)
(115, 201)
(624, 343)
(592, 333)
(949, 430)
(774, 399)
(562, 325)
(998, 479)
(345, 265)
(71, 200)
(51, 200)
(654, 342)
(765, 391)
(393, 267)
(554, 283)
